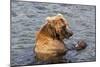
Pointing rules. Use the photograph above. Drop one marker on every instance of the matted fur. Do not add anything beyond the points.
(49, 39)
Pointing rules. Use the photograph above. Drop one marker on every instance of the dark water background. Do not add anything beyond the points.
(27, 18)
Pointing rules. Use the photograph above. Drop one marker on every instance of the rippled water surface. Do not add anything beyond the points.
(27, 18)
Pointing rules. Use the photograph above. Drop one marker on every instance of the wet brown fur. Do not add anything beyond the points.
(49, 39)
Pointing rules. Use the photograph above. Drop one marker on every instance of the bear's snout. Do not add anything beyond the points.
(69, 33)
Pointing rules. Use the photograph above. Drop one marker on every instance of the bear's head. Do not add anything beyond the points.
(57, 27)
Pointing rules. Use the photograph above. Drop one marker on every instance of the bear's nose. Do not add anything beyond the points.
(70, 33)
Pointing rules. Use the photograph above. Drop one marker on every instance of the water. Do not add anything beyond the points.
(27, 18)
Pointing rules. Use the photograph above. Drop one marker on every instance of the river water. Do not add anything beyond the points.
(27, 18)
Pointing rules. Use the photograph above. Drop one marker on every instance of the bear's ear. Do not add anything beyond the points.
(48, 19)
(60, 15)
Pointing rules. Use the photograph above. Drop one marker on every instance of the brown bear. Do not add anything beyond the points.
(49, 44)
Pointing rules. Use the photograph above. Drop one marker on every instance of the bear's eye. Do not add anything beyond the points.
(62, 20)
(64, 26)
